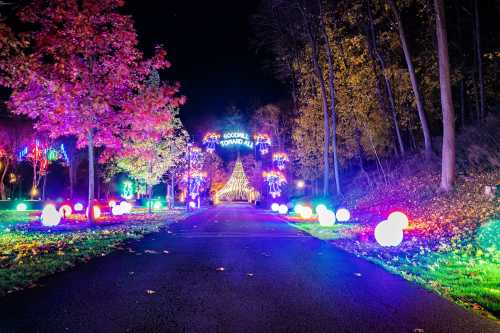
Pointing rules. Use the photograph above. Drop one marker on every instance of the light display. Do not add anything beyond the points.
(300, 184)
(65, 210)
(127, 190)
(126, 207)
(343, 215)
(306, 212)
(280, 159)
(210, 140)
(399, 219)
(63, 153)
(196, 156)
(157, 205)
(50, 216)
(388, 234)
(21, 207)
(197, 180)
(297, 209)
(283, 209)
(78, 207)
(192, 204)
(96, 209)
(263, 143)
(275, 180)
(52, 154)
(326, 218)
(236, 139)
(12, 178)
(117, 210)
(237, 188)
(275, 207)
(321, 208)
(111, 203)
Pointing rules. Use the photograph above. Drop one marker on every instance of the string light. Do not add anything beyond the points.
(263, 142)
(237, 187)
(210, 140)
(280, 159)
(275, 180)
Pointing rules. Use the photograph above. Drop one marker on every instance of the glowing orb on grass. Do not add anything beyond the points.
(398, 218)
(21, 207)
(275, 207)
(126, 207)
(283, 209)
(50, 216)
(388, 234)
(97, 211)
(192, 204)
(306, 212)
(112, 203)
(343, 215)
(321, 209)
(326, 218)
(65, 210)
(298, 208)
(157, 205)
(117, 210)
(78, 207)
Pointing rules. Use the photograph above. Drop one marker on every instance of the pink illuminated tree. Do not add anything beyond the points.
(84, 70)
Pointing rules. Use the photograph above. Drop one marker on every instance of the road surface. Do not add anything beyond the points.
(232, 269)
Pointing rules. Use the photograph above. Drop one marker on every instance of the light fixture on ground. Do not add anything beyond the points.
(50, 216)
(65, 210)
(326, 218)
(306, 212)
(388, 234)
(21, 207)
(283, 209)
(399, 219)
(343, 215)
(78, 207)
(321, 208)
(275, 207)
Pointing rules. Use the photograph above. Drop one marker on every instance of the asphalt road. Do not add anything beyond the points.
(232, 270)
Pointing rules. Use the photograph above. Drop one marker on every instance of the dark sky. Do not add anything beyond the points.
(208, 44)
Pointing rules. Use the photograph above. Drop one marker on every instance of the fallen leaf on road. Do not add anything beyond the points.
(250, 274)
(131, 273)
(150, 292)
(220, 269)
(418, 330)
(151, 252)
(357, 274)
(166, 251)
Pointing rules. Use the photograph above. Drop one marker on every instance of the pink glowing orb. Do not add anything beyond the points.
(388, 234)
(65, 210)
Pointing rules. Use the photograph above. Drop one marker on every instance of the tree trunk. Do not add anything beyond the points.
(462, 103)
(414, 82)
(387, 82)
(72, 171)
(448, 156)
(474, 82)
(3, 195)
(477, 38)
(44, 186)
(90, 139)
(150, 197)
(331, 82)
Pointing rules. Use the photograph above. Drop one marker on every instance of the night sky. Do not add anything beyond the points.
(209, 46)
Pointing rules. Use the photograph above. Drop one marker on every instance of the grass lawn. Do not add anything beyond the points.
(27, 254)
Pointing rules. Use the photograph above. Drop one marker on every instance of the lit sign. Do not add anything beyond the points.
(236, 138)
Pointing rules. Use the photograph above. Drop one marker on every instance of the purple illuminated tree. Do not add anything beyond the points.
(84, 66)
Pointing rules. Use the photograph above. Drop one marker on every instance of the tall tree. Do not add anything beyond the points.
(448, 154)
(477, 40)
(413, 77)
(83, 66)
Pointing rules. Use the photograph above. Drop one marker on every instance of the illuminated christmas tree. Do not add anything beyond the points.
(238, 187)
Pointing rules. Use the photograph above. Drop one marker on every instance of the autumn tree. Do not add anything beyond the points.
(83, 67)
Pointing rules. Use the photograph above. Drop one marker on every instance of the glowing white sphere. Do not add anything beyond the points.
(126, 207)
(399, 219)
(157, 205)
(78, 207)
(21, 207)
(50, 216)
(283, 209)
(112, 203)
(306, 212)
(321, 209)
(326, 218)
(298, 208)
(343, 215)
(65, 210)
(275, 207)
(388, 234)
(117, 210)
(192, 204)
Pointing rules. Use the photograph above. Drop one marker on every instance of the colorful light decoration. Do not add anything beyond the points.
(300, 184)
(306, 212)
(21, 207)
(97, 211)
(78, 207)
(192, 204)
(297, 209)
(50, 216)
(275, 179)
(157, 205)
(197, 180)
(263, 142)
(210, 140)
(65, 210)
(238, 186)
(236, 139)
(343, 215)
(126, 207)
(52, 154)
(283, 209)
(280, 159)
(127, 190)
(388, 234)
(321, 208)
(111, 203)
(326, 218)
(275, 207)
(399, 219)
